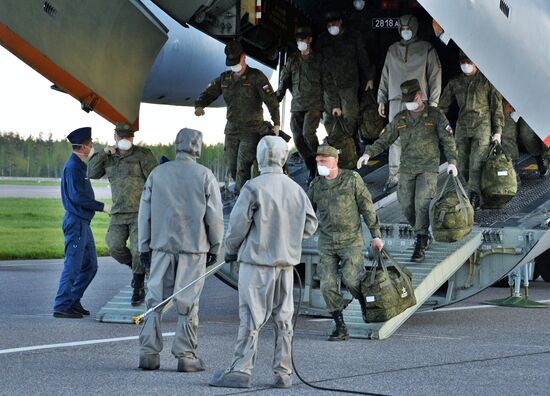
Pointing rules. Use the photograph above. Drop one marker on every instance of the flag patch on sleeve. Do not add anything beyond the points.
(449, 129)
(267, 89)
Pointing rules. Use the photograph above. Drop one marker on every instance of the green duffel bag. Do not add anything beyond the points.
(387, 288)
(371, 124)
(452, 214)
(498, 179)
(341, 139)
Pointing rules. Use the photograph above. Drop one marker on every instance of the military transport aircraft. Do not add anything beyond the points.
(111, 56)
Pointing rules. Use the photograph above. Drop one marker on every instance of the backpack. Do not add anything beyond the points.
(452, 214)
(370, 122)
(498, 179)
(341, 139)
(387, 288)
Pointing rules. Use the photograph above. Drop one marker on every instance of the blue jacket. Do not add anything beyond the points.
(76, 190)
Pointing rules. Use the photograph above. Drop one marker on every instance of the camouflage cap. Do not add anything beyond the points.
(462, 57)
(233, 52)
(327, 151)
(190, 141)
(409, 89)
(332, 15)
(124, 129)
(303, 32)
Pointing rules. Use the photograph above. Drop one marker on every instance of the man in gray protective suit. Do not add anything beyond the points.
(181, 223)
(407, 59)
(266, 227)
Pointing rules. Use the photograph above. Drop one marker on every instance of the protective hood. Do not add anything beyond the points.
(412, 22)
(271, 154)
(189, 141)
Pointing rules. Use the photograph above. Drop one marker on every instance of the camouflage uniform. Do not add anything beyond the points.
(244, 98)
(480, 115)
(420, 139)
(302, 76)
(509, 141)
(340, 202)
(346, 68)
(127, 174)
(530, 140)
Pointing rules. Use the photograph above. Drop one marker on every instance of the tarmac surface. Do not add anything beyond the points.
(33, 191)
(466, 349)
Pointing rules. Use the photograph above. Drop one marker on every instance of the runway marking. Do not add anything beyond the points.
(73, 344)
(481, 306)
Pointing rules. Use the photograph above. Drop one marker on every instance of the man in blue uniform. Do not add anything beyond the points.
(78, 198)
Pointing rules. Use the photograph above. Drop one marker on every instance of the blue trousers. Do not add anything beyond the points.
(80, 265)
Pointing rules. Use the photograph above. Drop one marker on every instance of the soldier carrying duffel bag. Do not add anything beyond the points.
(387, 288)
(452, 213)
(498, 179)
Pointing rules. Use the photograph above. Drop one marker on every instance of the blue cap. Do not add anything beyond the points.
(80, 135)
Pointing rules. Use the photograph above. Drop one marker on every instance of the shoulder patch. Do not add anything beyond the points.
(382, 131)
(401, 126)
(449, 129)
(267, 89)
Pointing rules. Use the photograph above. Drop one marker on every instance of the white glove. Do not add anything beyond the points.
(377, 244)
(370, 85)
(276, 130)
(109, 150)
(363, 160)
(452, 169)
(382, 110)
(497, 138)
(199, 111)
(337, 111)
(107, 208)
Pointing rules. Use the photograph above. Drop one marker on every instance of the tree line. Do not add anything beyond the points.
(43, 156)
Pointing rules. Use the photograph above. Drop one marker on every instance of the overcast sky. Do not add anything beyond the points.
(29, 106)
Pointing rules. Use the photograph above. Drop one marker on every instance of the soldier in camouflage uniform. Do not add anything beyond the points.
(302, 76)
(421, 130)
(346, 69)
(534, 146)
(244, 89)
(480, 116)
(341, 198)
(127, 167)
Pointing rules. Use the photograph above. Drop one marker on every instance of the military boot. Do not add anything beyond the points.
(149, 361)
(475, 200)
(341, 331)
(311, 165)
(363, 304)
(138, 296)
(543, 167)
(419, 249)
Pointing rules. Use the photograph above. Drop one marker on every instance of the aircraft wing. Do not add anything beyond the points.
(507, 39)
(99, 51)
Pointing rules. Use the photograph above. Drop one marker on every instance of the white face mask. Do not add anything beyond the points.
(359, 4)
(236, 68)
(412, 106)
(406, 34)
(302, 45)
(323, 170)
(334, 30)
(124, 144)
(467, 68)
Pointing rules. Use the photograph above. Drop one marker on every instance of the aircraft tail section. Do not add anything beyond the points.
(76, 44)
